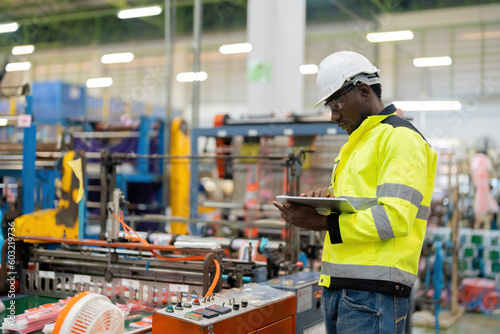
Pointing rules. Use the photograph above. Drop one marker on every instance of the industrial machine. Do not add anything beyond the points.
(255, 309)
(61, 221)
(305, 286)
(196, 283)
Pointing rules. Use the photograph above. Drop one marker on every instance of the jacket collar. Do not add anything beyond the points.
(389, 110)
(371, 121)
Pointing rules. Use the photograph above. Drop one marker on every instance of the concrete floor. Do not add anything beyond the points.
(469, 322)
(475, 323)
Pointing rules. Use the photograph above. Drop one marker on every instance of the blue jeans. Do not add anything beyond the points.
(356, 311)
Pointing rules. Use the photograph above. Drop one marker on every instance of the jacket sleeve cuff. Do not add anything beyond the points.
(333, 228)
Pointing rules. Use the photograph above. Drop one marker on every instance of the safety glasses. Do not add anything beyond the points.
(337, 103)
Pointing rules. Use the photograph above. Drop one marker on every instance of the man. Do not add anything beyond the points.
(386, 170)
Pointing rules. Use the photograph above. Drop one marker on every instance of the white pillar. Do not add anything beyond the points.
(388, 70)
(276, 30)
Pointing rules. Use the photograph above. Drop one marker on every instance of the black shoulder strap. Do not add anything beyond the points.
(396, 122)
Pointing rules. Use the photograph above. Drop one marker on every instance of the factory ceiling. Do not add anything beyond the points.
(57, 23)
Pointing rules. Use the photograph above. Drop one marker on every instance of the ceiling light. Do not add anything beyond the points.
(8, 27)
(23, 50)
(235, 48)
(99, 82)
(12, 67)
(139, 12)
(427, 105)
(3, 121)
(113, 58)
(390, 36)
(191, 76)
(432, 61)
(308, 69)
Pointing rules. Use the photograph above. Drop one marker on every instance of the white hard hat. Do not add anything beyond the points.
(340, 67)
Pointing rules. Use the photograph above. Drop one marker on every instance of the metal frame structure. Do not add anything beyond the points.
(96, 265)
(293, 163)
(27, 173)
(251, 130)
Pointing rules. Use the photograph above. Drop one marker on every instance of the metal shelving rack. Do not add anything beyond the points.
(252, 130)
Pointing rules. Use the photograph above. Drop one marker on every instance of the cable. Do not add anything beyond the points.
(145, 242)
(188, 258)
(216, 279)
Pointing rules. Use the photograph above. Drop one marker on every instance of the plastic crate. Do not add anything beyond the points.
(495, 238)
(491, 253)
(468, 251)
(491, 268)
(56, 101)
(439, 233)
(480, 237)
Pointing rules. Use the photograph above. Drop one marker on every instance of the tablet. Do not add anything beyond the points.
(335, 204)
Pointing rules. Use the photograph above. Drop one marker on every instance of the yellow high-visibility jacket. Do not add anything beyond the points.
(387, 171)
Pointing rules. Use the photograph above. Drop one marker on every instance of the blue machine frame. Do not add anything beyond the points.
(28, 172)
(143, 174)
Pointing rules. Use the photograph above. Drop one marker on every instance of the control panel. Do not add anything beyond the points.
(204, 311)
(227, 315)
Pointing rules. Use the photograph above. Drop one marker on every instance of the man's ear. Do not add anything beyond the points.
(365, 90)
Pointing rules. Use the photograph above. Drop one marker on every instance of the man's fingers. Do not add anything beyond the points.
(319, 192)
(278, 205)
(326, 192)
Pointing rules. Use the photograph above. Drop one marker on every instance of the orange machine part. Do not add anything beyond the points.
(221, 144)
(278, 317)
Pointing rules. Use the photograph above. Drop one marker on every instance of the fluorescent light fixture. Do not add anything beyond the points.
(235, 48)
(99, 82)
(8, 27)
(192, 76)
(23, 50)
(12, 67)
(389, 36)
(113, 58)
(432, 61)
(3, 121)
(139, 12)
(308, 69)
(428, 105)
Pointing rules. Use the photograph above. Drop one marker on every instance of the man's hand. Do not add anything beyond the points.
(302, 216)
(320, 192)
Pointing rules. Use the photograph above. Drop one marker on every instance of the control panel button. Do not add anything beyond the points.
(206, 313)
(219, 309)
(193, 316)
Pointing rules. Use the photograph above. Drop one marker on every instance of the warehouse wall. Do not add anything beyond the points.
(470, 35)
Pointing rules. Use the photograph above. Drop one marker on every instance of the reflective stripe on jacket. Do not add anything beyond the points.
(387, 172)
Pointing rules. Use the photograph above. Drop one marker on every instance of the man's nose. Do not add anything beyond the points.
(335, 116)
